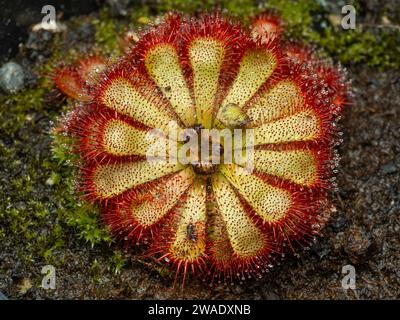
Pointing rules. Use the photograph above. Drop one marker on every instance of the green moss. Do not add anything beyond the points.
(23, 213)
(29, 223)
(116, 262)
(86, 221)
(139, 14)
(242, 9)
(81, 216)
(298, 16)
(308, 21)
(16, 108)
(186, 6)
(305, 20)
(381, 50)
(39, 207)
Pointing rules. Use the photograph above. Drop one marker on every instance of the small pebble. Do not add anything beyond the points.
(11, 77)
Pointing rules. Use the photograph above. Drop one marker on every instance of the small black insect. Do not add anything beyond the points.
(191, 232)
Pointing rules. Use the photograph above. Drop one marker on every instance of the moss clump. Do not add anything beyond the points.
(239, 8)
(17, 109)
(38, 201)
(299, 17)
(116, 262)
(381, 50)
(309, 20)
(305, 20)
(186, 6)
(39, 206)
(24, 215)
